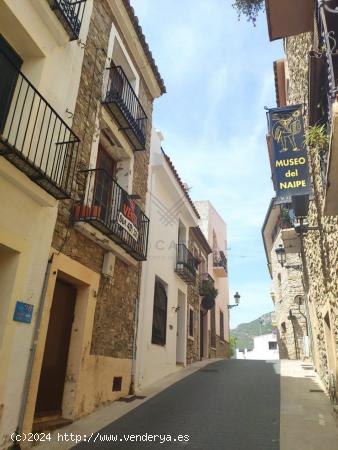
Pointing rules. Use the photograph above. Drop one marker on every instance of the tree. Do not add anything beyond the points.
(249, 8)
(233, 343)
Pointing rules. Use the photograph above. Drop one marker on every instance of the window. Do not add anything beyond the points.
(272, 345)
(103, 189)
(191, 322)
(159, 314)
(283, 326)
(221, 325)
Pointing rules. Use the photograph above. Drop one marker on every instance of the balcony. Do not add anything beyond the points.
(283, 222)
(125, 107)
(33, 137)
(186, 264)
(109, 208)
(70, 14)
(205, 278)
(220, 264)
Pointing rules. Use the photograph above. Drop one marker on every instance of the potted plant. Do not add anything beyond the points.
(285, 220)
(87, 212)
(249, 8)
(209, 294)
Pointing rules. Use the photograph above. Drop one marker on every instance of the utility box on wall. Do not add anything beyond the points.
(108, 264)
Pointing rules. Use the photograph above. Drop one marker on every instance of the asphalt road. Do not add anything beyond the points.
(230, 405)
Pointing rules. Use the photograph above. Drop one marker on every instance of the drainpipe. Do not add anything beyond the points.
(306, 284)
(134, 348)
(34, 342)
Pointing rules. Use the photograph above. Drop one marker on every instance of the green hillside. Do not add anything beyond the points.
(245, 332)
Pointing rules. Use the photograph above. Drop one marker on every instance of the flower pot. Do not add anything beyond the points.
(86, 212)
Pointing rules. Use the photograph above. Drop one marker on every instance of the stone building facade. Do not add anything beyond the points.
(287, 290)
(320, 245)
(197, 315)
(101, 234)
(310, 79)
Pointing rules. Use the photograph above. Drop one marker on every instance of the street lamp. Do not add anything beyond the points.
(237, 299)
(281, 258)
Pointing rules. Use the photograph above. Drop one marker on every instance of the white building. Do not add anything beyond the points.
(162, 326)
(265, 348)
(214, 229)
(40, 67)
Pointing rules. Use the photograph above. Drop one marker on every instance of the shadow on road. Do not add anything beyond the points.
(231, 405)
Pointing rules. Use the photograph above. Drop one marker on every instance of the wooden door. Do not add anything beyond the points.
(10, 63)
(54, 364)
(104, 184)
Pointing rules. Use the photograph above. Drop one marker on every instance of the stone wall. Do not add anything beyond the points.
(193, 300)
(287, 285)
(114, 317)
(222, 348)
(320, 246)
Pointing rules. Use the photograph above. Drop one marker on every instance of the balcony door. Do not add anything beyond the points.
(104, 184)
(10, 63)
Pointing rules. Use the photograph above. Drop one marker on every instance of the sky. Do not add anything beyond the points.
(218, 73)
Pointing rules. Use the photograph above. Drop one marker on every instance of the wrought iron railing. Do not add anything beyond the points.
(70, 13)
(129, 113)
(205, 278)
(185, 261)
(327, 20)
(33, 136)
(284, 221)
(109, 208)
(220, 260)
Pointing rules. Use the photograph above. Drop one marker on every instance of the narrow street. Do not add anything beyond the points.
(232, 405)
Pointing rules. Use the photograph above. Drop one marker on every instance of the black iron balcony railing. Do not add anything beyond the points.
(70, 13)
(284, 221)
(110, 209)
(327, 21)
(126, 108)
(205, 279)
(33, 137)
(186, 264)
(220, 260)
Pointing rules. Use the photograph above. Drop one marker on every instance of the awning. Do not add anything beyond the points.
(289, 17)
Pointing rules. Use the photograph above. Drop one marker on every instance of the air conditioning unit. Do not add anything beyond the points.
(108, 265)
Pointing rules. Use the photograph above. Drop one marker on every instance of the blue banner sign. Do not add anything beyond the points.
(23, 312)
(289, 162)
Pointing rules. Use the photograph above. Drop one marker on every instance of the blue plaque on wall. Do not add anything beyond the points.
(23, 312)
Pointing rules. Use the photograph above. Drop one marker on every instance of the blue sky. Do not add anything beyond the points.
(218, 73)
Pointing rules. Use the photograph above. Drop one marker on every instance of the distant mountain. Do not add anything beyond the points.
(245, 332)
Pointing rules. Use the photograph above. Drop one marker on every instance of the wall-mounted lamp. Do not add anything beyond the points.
(237, 298)
(281, 258)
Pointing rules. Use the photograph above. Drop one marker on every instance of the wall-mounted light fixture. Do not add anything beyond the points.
(281, 258)
(237, 298)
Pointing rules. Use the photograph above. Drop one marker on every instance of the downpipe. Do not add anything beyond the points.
(34, 342)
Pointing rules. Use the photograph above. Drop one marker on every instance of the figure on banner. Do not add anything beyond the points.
(286, 129)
